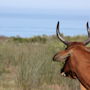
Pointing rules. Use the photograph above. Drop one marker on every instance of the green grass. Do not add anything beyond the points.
(26, 64)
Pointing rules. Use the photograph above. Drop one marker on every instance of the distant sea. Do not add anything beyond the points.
(29, 25)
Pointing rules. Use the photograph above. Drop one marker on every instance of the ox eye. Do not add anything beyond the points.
(66, 48)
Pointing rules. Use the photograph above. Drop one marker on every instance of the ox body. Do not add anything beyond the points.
(77, 56)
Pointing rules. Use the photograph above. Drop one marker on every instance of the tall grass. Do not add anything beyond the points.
(29, 66)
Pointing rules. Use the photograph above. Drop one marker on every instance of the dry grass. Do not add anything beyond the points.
(29, 66)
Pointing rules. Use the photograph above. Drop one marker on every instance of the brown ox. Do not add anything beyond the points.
(77, 55)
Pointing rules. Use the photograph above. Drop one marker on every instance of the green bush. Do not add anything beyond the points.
(40, 39)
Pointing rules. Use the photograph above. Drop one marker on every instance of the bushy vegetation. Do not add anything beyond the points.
(40, 39)
(26, 64)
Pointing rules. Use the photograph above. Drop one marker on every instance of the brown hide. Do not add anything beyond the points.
(77, 63)
(67, 70)
(82, 87)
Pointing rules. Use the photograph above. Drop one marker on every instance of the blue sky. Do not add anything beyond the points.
(54, 7)
(47, 4)
(33, 11)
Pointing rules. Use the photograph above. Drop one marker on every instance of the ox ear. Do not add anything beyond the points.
(63, 55)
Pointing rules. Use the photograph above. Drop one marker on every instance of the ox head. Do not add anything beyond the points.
(71, 46)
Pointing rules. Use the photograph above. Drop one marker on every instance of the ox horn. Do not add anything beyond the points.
(88, 30)
(59, 35)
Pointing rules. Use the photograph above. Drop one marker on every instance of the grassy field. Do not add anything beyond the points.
(26, 64)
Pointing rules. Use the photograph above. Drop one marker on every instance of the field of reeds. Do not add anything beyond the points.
(26, 64)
